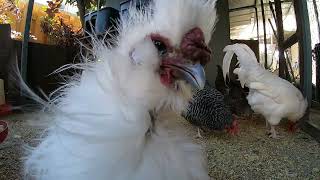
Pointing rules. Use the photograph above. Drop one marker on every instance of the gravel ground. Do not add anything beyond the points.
(12, 150)
(250, 155)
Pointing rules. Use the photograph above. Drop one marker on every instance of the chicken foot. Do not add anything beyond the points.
(198, 134)
(273, 133)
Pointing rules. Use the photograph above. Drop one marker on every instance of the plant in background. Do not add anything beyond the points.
(9, 7)
(57, 30)
(4, 19)
(53, 8)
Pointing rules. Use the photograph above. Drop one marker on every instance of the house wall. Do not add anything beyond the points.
(220, 39)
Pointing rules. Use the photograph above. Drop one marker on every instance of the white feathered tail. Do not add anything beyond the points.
(264, 86)
(248, 64)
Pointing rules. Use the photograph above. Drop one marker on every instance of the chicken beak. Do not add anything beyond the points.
(192, 73)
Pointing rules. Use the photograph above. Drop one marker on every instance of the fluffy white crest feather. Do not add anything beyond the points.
(171, 19)
(100, 123)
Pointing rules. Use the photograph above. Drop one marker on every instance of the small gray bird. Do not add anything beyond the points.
(207, 110)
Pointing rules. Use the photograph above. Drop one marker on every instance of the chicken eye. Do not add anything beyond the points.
(161, 47)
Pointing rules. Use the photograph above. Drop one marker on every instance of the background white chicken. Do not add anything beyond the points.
(101, 127)
(269, 95)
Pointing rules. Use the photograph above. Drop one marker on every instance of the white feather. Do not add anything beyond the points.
(269, 95)
(99, 129)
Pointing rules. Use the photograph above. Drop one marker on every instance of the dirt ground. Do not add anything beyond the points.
(250, 155)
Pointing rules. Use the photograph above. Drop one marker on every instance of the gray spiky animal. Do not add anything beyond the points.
(207, 110)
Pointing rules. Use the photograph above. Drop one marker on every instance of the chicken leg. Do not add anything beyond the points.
(198, 134)
(267, 128)
(273, 133)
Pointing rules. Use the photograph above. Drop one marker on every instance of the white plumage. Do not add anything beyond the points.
(101, 128)
(269, 95)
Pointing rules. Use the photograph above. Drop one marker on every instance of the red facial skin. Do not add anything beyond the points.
(192, 47)
(234, 129)
(292, 126)
(167, 75)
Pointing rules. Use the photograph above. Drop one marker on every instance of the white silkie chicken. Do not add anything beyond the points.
(101, 128)
(269, 95)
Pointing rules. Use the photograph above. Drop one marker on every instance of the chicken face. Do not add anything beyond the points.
(184, 62)
(167, 44)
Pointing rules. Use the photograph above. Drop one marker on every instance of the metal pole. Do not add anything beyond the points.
(257, 21)
(279, 22)
(305, 53)
(25, 42)
(264, 35)
(317, 59)
(305, 62)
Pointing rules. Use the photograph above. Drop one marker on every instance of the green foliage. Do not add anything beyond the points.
(90, 5)
(53, 7)
(9, 7)
(4, 19)
(57, 30)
